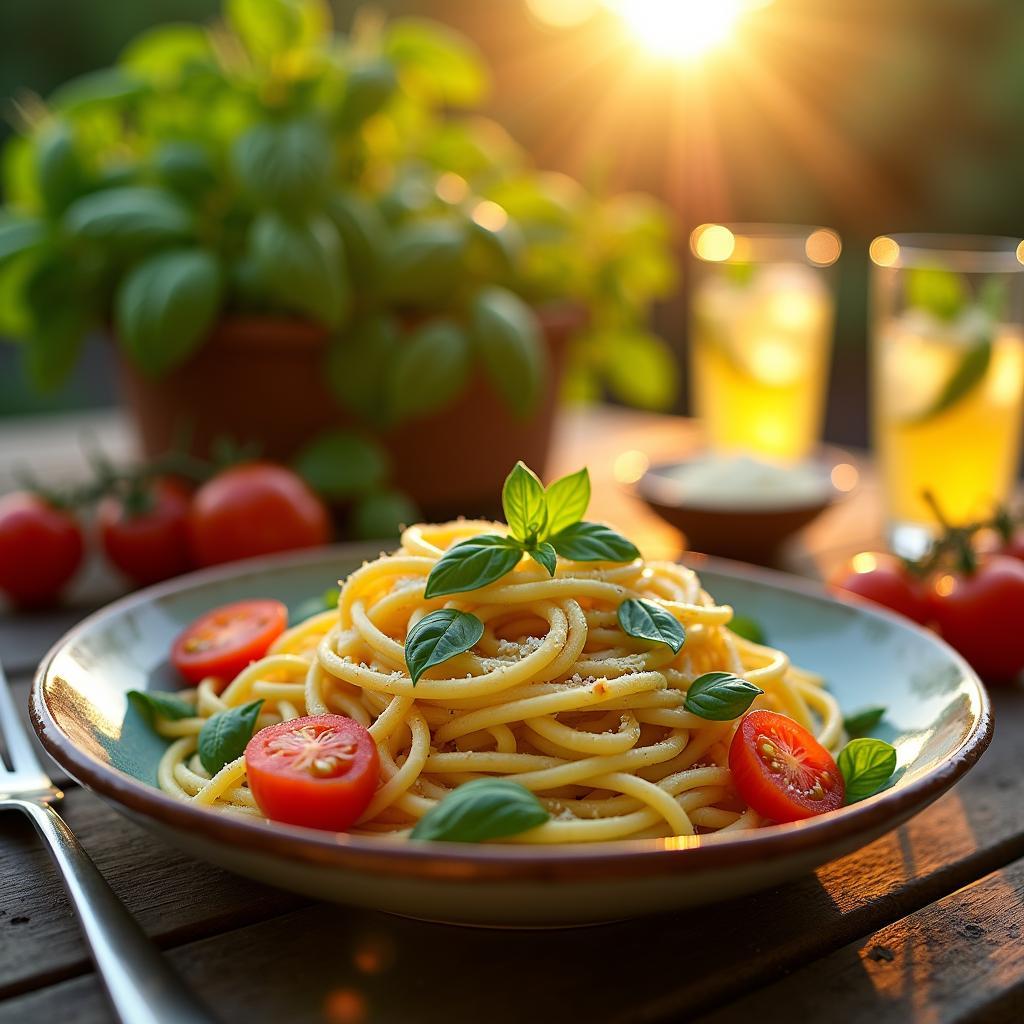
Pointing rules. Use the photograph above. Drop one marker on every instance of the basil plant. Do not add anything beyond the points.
(266, 165)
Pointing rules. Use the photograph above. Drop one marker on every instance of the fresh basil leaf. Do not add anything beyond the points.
(508, 338)
(592, 542)
(544, 554)
(186, 168)
(301, 264)
(368, 88)
(341, 465)
(62, 178)
(315, 605)
(438, 637)
(106, 88)
(19, 235)
(382, 515)
(424, 264)
(522, 498)
(430, 367)
(224, 735)
(866, 765)
(285, 165)
(748, 628)
(161, 55)
(969, 373)
(165, 307)
(936, 290)
(648, 621)
(365, 235)
(153, 704)
(132, 216)
(567, 500)
(270, 28)
(473, 563)
(863, 721)
(480, 810)
(359, 364)
(720, 696)
(442, 66)
(59, 316)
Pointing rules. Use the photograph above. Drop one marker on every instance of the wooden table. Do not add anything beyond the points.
(926, 924)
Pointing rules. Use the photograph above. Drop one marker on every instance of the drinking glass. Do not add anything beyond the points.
(760, 336)
(947, 378)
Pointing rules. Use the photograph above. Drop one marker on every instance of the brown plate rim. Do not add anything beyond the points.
(617, 859)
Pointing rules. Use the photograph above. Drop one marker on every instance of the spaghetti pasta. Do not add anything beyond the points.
(555, 696)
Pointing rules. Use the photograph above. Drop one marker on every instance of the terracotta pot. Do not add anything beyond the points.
(262, 380)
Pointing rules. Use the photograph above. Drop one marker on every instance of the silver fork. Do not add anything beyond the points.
(142, 987)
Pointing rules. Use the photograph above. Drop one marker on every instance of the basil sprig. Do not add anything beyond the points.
(543, 523)
(748, 628)
(439, 636)
(720, 696)
(153, 704)
(480, 810)
(860, 722)
(866, 766)
(646, 620)
(224, 735)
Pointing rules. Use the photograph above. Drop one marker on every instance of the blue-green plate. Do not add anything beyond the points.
(937, 717)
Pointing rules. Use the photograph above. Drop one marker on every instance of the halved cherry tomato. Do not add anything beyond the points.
(320, 771)
(781, 770)
(222, 642)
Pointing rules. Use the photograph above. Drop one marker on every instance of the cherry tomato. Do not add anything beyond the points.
(981, 615)
(150, 543)
(255, 509)
(781, 770)
(883, 579)
(222, 642)
(320, 771)
(40, 549)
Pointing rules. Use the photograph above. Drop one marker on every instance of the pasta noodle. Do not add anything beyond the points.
(554, 696)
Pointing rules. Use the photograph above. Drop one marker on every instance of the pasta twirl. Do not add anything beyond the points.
(555, 696)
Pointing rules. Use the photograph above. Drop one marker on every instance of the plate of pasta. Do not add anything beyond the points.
(515, 723)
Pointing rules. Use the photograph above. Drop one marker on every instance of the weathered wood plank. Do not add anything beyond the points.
(174, 897)
(973, 830)
(959, 958)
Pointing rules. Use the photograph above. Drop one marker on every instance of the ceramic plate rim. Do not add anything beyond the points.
(630, 857)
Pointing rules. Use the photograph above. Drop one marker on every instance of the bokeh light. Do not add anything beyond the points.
(823, 247)
(884, 251)
(712, 242)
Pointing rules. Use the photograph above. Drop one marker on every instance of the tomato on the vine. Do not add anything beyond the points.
(146, 535)
(980, 614)
(781, 770)
(223, 641)
(884, 579)
(320, 771)
(41, 548)
(255, 509)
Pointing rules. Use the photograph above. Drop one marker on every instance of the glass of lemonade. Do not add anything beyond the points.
(761, 316)
(947, 377)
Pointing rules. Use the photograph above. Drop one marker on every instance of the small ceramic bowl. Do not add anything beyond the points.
(937, 718)
(751, 530)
